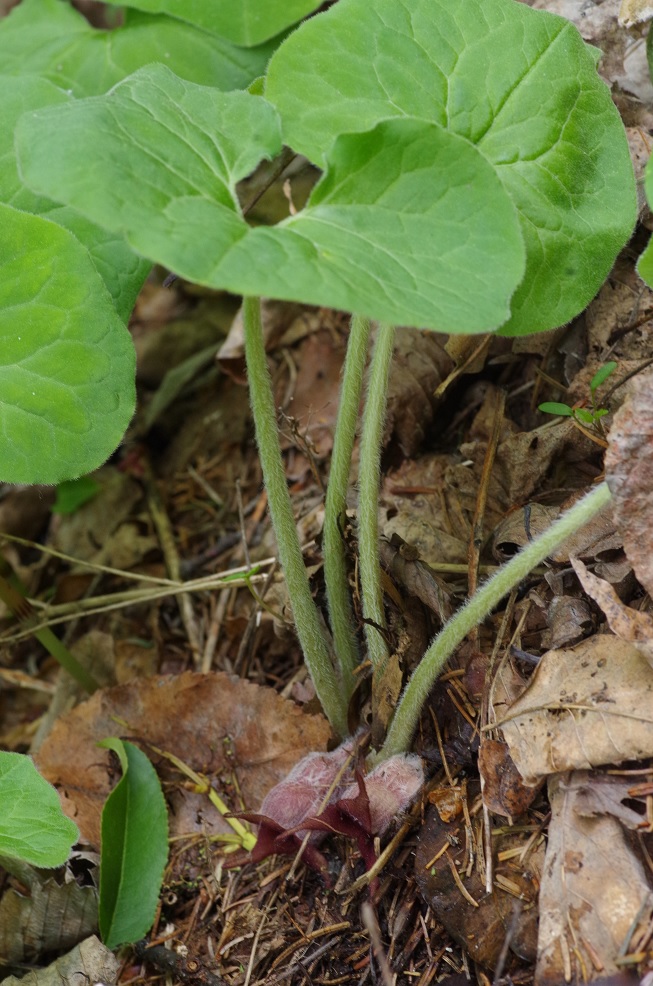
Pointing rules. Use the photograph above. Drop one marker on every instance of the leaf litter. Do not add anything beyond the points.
(538, 801)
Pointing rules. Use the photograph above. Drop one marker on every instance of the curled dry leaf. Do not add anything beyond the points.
(594, 890)
(629, 472)
(628, 624)
(220, 725)
(504, 791)
(584, 706)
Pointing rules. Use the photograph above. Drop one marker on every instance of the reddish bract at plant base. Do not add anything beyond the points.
(359, 809)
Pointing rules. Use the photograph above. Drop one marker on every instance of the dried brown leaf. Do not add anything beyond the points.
(628, 624)
(218, 724)
(584, 706)
(594, 890)
(629, 471)
(504, 791)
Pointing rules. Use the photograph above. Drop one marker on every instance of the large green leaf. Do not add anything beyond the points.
(520, 84)
(33, 827)
(409, 224)
(122, 271)
(50, 38)
(66, 359)
(245, 22)
(134, 848)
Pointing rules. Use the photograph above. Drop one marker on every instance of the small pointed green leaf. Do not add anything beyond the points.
(602, 375)
(584, 416)
(520, 84)
(554, 407)
(50, 38)
(410, 224)
(122, 271)
(134, 848)
(66, 359)
(245, 22)
(33, 828)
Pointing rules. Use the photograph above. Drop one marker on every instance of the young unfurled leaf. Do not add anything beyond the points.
(33, 828)
(520, 84)
(134, 848)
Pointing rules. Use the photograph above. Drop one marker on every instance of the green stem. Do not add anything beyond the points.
(333, 544)
(310, 630)
(14, 596)
(473, 612)
(368, 496)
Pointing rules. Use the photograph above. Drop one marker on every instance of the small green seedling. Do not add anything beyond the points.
(584, 416)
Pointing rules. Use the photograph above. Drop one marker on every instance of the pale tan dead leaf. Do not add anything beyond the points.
(523, 459)
(629, 472)
(386, 688)
(594, 891)
(276, 317)
(628, 624)
(419, 505)
(604, 794)
(230, 729)
(569, 620)
(91, 961)
(632, 12)
(584, 706)
(521, 526)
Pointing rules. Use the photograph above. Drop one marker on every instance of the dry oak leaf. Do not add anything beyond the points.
(218, 724)
(584, 706)
(593, 892)
(628, 624)
(629, 472)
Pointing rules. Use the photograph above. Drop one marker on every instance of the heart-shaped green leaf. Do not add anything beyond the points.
(134, 848)
(50, 38)
(519, 84)
(33, 827)
(246, 22)
(122, 271)
(409, 224)
(66, 359)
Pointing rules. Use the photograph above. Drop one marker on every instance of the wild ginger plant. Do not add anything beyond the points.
(475, 178)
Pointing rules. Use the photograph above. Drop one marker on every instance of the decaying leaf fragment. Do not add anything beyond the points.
(584, 706)
(594, 892)
(88, 962)
(627, 623)
(629, 472)
(51, 917)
